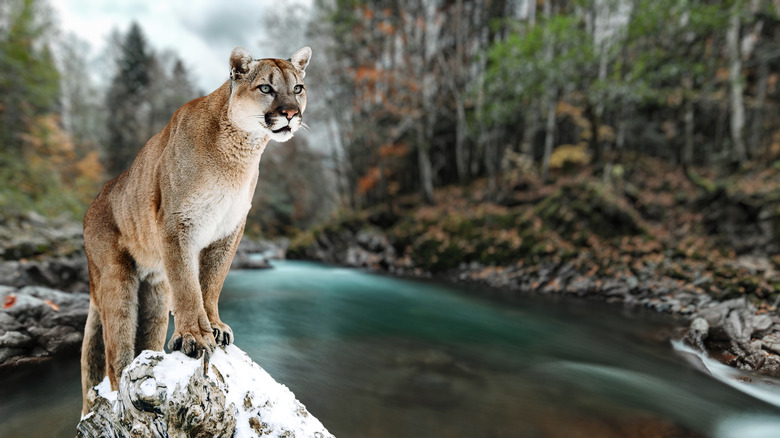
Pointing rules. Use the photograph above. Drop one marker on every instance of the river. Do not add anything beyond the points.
(376, 356)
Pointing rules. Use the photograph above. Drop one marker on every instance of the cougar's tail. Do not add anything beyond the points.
(93, 356)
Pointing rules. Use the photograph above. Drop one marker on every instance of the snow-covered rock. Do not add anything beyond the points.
(170, 395)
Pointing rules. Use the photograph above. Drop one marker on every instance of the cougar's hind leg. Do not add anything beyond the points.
(93, 360)
(119, 315)
(154, 304)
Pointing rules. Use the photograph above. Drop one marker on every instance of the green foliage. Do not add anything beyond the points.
(32, 188)
(40, 168)
(29, 80)
(664, 42)
(520, 70)
(669, 40)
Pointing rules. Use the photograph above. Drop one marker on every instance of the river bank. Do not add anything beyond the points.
(652, 239)
(710, 257)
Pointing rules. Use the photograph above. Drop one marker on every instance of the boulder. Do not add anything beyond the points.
(733, 331)
(42, 251)
(255, 254)
(244, 260)
(37, 323)
(172, 395)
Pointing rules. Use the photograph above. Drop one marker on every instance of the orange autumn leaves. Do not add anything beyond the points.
(10, 301)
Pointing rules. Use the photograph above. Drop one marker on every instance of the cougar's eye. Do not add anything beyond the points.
(265, 88)
(298, 89)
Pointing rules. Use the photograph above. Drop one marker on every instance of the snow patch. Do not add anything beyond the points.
(264, 406)
(104, 390)
(174, 371)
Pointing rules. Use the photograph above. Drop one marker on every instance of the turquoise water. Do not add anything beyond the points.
(375, 356)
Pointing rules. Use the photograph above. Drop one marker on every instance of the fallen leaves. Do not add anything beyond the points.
(51, 304)
(9, 301)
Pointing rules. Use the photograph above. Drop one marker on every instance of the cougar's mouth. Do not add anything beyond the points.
(280, 130)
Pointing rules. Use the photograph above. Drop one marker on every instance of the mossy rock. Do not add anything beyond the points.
(592, 207)
(301, 245)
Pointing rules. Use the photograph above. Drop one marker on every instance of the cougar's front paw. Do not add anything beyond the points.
(194, 341)
(222, 333)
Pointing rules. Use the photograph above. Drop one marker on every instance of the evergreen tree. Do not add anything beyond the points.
(169, 88)
(29, 80)
(126, 101)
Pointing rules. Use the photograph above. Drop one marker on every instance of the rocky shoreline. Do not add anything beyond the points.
(733, 331)
(44, 285)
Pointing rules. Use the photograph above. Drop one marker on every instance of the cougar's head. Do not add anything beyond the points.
(268, 96)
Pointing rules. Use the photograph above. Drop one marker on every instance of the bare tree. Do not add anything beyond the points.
(735, 83)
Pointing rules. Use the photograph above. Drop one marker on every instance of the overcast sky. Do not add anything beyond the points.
(201, 32)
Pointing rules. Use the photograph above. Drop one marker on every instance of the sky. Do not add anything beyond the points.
(201, 32)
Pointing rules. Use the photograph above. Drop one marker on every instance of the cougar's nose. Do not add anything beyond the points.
(289, 113)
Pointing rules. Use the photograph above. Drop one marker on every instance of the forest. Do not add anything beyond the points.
(432, 93)
(660, 107)
(417, 95)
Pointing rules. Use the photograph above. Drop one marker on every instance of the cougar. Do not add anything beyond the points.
(162, 235)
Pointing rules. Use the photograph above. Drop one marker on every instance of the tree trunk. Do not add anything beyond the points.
(426, 175)
(620, 139)
(493, 155)
(595, 141)
(460, 139)
(551, 97)
(549, 136)
(735, 80)
(758, 118)
(687, 152)
(529, 133)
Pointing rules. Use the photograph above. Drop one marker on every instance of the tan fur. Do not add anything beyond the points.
(165, 231)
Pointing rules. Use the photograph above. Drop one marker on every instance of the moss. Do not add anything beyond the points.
(574, 212)
(502, 221)
(749, 284)
(301, 244)
(676, 272)
(436, 256)
(460, 226)
(497, 253)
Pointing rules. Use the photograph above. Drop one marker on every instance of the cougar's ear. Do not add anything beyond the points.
(300, 60)
(239, 62)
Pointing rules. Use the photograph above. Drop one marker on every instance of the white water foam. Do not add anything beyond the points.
(763, 388)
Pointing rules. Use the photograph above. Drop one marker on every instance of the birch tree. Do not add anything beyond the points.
(737, 121)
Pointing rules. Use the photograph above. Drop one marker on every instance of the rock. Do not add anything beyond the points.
(697, 334)
(270, 250)
(64, 273)
(39, 323)
(252, 254)
(717, 314)
(45, 252)
(762, 323)
(249, 261)
(749, 340)
(162, 395)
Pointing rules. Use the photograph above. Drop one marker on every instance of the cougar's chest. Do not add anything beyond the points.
(219, 212)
